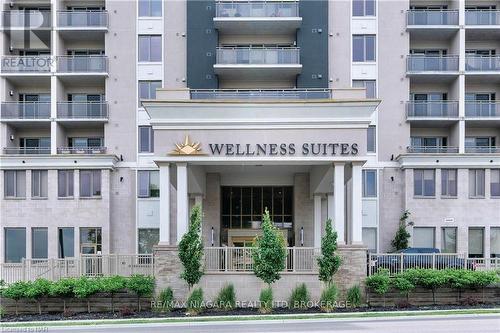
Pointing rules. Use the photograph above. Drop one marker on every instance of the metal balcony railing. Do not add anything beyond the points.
(432, 109)
(26, 64)
(475, 63)
(27, 150)
(432, 150)
(432, 17)
(482, 17)
(479, 109)
(25, 110)
(261, 94)
(258, 56)
(483, 149)
(82, 19)
(77, 110)
(28, 19)
(257, 9)
(82, 64)
(422, 64)
(81, 150)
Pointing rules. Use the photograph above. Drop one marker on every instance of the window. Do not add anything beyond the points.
(369, 183)
(370, 239)
(423, 237)
(363, 48)
(363, 7)
(146, 239)
(369, 85)
(476, 183)
(148, 183)
(39, 183)
(149, 48)
(85, 142)
(476, 242)
(495, 242)
(424, 184)
(90, 240)
(495, 182)
(147, 90)
(149, 8)
(65, 179)
(15, 183)
(146, 139)
(66, 242)
(90, 183)
(39, 243)
(449, 182)
(15, 244)
(449, 240)
(371, 138)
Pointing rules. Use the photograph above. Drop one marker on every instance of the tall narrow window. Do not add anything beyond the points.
(65, 180)
(369, 183)
(495, 242)
(39, 183)
(90, 240)
(66, 242)
(369, 85)
(476, 183)
(363, 48)
(147, 238)
(495, 182)
(147, 90)
(149, 48)
(449, 240)
(149, 8)
(449, 182)
(15, 244)
(371, 138)
(476, 242)
(39, 243)
(363, 7)
(424, 184)
(424, 237)
(90, 183)
(148, 183)
(15, 183)
(146, 139)
(370, 239)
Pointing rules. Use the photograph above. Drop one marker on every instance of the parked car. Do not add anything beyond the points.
(419, 258)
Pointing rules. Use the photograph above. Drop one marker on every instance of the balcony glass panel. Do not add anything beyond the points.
(26, 64)
(258, 56)
(257, 9)
(437, 109)
(478, 109)
(85, 64)
(81, 150)
(475, 63)
(88, 18)
(421, 63)
(482, 17)
(271, 94)
(25, 110)
(29, 19)
(482, 149)
(432, 150)
(27, 150)
(76, 110)
(432, 17)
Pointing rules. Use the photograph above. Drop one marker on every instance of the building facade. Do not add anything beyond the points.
(118, 116)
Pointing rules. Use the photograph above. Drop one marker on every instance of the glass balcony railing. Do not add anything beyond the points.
(432, 150)
(27, 19)
(475, 63)
(25, 110)
(265, 94)
(482, 109)
(77, 110)
(421, 63)
(82, 19)
(26, 64)
(82, 64)
(482, 17)
(258, 56)
(81, 150)
(257, 9)
(432, 109)
(27, 150)
(482, 149)
(432, 17)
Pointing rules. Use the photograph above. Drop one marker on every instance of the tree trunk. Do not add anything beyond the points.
(17, 313)
(39, 307)
(138, 303)
(88, 305)
(112, 303)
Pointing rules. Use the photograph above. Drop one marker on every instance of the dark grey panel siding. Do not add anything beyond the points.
(312, 38)
(201, 44)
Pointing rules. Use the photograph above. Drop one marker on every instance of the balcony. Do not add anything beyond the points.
(14, 111)
(82, 150)
(82, 111)
(26, 19)
(431, 150)
(257, 17)
(482, 17)
(258, 63)
(432, 24)
(95, 65)
(26, 150)
(446, 112)
(261, 94)
(482, 109)
(483, 150)
(482, 64)
(431, 64)
(82, 20)
(26, 65)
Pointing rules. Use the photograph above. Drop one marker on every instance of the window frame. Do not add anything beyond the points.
(364, 8)
(426, 228)
(145, 245)
(365, 39)
(473, 183)
(34, 230)
(369, 85)
(492, 184)
(69, 179)
(149, 49)
(365, 192)
(150, 91)
(95, 174)
(149, 189)
(43, 183)
(149, 10)
(376, 238)
(481, 255)
(445, 186)
(19, 192)
(493, 253)
(423, 188)
(443, 235)
(150, 138)
(6, 243)
(60, 246)
(97, 245)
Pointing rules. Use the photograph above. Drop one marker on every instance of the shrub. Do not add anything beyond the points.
(266, 300)
(226, 299)
(15, 291)
(36, 290)
(141, 285)
(195, 302)
(328, 298)
(112, 285)
(300, 297)
(354, 296)
(165, 300)
(329, 262)
(379, 282)
(86, 287)
(403, 285)
(191, 249)
(432, 280)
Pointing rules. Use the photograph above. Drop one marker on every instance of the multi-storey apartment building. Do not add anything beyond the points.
(117, 116)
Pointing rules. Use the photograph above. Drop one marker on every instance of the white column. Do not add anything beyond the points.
(339, 201)
(317, 220)
(164, 204)
(182, 200)
(330, 199)
(357, 216)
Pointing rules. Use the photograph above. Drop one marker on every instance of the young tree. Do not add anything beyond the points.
(191, 249)
(329, 262)
(400, 241)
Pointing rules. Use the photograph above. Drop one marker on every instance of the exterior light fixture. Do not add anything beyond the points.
(212, 236)
(301, 236)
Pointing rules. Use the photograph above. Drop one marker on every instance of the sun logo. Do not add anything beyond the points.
(187, 148)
